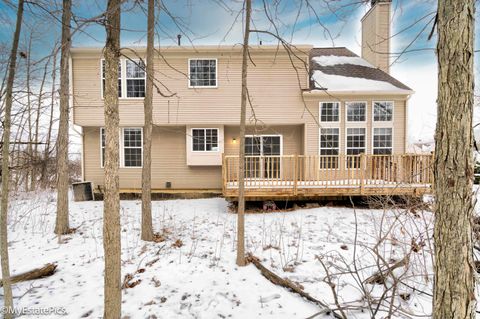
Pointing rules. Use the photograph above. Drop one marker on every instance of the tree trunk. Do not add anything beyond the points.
(62, 225)
(46, 154)
(241, 152)
(7, 287)
(111, 203)
(147, 228)
(454, 270)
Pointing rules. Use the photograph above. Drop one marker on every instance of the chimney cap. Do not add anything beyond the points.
(374, 2)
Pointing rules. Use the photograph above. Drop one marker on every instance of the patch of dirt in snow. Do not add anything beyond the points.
(195, 279)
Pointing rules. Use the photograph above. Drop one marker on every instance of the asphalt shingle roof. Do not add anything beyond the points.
(349, 70)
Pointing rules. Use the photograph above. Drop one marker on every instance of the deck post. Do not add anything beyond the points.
(224, 168)
(363, 169)
(295, 175)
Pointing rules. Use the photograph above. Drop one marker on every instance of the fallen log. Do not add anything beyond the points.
(45, 271)
(380, 277)
(291, 286)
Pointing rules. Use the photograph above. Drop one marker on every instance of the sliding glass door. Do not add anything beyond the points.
(262, 156)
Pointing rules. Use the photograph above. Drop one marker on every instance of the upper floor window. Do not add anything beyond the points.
(205, 140)
(119, 78)
(131, 83)
(135, 78)
(382, 111)
(202, 72)
(356, 111)
(329, 112)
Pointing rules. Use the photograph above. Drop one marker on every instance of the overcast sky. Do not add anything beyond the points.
(217, 22)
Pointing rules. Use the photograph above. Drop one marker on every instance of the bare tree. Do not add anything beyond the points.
(7, 288)
(111, 208)
(241, 165)
(454, 295)
(147, 228)
(62, 224)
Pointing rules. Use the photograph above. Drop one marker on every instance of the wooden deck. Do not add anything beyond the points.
(302, 176)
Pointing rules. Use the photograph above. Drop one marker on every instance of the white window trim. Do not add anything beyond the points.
(346, 112)
(124, 79)
(203, 86)
(122, 147)
(339, 112)
(123, 69)
(373, 135)
(205, 128)
(267, 135)
(346, 146)
(373, 111)
(320, 148)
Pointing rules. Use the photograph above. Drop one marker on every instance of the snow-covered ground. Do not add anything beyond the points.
(199, 278)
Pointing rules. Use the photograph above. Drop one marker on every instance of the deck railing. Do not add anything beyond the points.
(290, 175)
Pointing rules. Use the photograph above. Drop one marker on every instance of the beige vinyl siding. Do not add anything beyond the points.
(169, 163)
(274, 86)
(375, 36)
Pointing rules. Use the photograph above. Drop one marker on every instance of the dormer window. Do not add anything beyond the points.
(202, 73)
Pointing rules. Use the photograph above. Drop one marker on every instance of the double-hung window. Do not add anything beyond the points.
(329, 147)
(131, 78)
(382, 111)
(356, 145)
(119, 78)
(135, 78)
(202, 73)
(382, 140)
(205, 140)
(356, 111)
(329, 111)
(131, 146)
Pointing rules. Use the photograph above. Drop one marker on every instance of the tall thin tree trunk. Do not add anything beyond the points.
(241, 164)
(62, 225)
(7, 288)
(454, 295)
(147, 228)
(46, 154)
(111, 203)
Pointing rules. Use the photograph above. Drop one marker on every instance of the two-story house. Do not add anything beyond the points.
(322, 121)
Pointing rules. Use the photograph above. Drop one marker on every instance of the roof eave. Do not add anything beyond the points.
(323, 93)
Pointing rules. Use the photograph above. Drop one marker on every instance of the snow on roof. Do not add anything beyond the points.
(328, 60)
(339, 69)
(333, 82)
